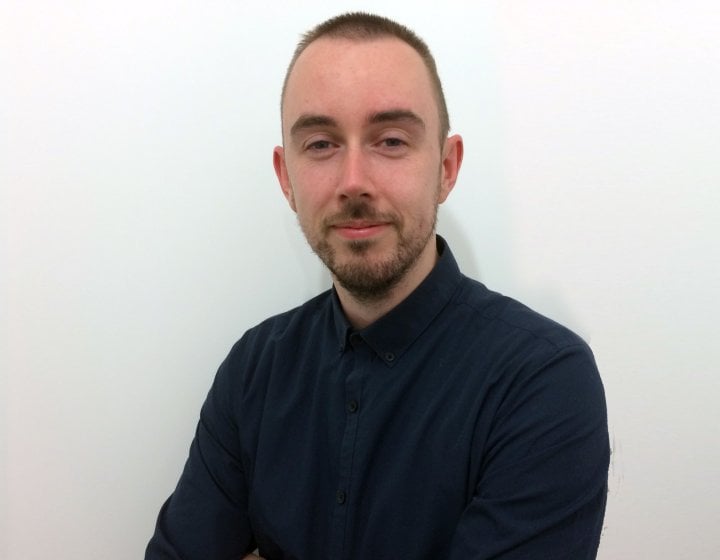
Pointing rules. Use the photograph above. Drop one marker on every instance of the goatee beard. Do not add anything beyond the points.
(365, 280)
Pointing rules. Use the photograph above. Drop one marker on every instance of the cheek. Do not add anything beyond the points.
(301, 193)
(308, 204)
(419, 194)
(311, 184)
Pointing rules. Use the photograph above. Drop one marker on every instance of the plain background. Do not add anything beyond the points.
(143, 231)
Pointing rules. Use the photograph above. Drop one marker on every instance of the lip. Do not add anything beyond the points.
(360, 229)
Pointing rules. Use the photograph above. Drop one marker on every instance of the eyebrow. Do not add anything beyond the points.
(394, 115)
(397, 115)
(311, 121)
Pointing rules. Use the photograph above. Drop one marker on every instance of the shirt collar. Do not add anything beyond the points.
(392, 334)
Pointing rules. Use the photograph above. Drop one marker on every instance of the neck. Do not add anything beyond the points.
(362, 313)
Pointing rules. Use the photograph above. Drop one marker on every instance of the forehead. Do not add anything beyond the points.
(344, 77)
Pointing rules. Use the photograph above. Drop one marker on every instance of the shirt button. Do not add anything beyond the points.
(389, 356)
(340, 497)
(352, 406)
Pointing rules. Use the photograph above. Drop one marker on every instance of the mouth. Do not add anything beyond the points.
(359, 229)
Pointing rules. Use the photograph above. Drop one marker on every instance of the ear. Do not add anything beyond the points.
(282, 175)
(451, 162)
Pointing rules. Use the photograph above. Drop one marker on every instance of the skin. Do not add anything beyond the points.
(362, 167)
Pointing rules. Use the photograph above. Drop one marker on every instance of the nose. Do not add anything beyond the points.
(354, 178)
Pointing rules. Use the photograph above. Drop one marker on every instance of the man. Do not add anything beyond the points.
(408, 412)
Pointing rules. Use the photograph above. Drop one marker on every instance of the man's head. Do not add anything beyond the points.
(359, 26)
(360, 162)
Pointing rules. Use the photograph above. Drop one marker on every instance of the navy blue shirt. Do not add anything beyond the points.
(460, 425)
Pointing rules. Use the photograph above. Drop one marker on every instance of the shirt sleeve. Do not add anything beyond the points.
(542, 482)
(206, 516)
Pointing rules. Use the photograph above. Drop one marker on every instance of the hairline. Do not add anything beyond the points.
(357, 33)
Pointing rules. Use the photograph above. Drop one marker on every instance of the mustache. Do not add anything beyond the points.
(359, 210)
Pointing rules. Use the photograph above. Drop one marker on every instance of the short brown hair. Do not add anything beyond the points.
(361, 26)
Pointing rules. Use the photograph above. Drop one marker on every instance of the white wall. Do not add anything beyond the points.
(142, 231)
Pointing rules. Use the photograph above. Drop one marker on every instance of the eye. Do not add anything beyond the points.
(392, 142)
(318, 145)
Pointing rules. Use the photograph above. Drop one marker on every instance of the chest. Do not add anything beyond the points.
(358, 452)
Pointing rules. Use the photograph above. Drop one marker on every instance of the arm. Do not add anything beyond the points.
(206, 516)
(541, 487)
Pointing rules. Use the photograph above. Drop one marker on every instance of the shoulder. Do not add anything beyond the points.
(277, 325)
(287, 327)
(537, 370)
(513, 343)
(507, 319)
